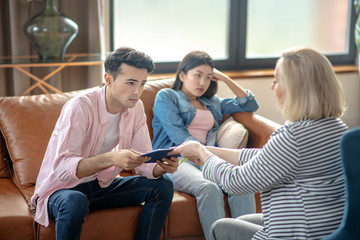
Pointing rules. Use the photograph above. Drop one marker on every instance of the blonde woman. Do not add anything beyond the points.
(299, 170)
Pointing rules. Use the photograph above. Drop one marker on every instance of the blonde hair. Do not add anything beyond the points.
(311, 87)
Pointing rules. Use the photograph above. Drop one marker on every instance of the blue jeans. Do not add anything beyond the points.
(68, 207)
(209, 196)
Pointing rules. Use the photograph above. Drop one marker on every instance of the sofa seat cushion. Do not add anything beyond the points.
(182, 222)
(183, 219)
(117, 223)
(16, 221)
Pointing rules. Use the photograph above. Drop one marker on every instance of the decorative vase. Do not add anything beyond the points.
(51, 32)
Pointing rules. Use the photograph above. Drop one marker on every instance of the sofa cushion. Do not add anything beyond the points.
(16, 221)
(183, 219)
(232, 134)
(183, 215)
(117, 223)
(27, 123)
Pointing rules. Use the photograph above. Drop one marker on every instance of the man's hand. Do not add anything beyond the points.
(128, 159)
(166, 165)
(124, 158)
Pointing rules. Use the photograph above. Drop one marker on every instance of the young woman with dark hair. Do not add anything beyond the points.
(192, 111)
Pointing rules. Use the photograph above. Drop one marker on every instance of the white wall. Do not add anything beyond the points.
(265, 97)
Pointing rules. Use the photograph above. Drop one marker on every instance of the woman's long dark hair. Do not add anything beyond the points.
(190, 61)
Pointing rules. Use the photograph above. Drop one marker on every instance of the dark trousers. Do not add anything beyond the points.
(68, 207)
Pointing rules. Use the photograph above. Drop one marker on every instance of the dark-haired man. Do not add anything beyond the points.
(97, 136)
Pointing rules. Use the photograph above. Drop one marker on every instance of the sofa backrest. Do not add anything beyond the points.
(26, 124)
(148, 98)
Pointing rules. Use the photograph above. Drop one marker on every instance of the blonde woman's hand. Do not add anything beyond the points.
(194, 151)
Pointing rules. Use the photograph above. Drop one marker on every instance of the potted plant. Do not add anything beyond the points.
(357, 24)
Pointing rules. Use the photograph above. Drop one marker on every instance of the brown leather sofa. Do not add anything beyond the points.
(26, 125)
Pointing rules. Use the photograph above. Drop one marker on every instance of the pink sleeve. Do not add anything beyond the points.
(146, 170)
(106, 176)
(64, 144)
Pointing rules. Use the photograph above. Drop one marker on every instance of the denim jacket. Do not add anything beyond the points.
(173, 113)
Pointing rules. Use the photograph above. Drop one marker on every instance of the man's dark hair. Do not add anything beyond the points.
(129, 56)
(190, 61)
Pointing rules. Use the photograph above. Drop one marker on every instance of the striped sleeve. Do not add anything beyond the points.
(275, 164)
(246, 154)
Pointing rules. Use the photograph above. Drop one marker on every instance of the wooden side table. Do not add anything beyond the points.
(21, 62)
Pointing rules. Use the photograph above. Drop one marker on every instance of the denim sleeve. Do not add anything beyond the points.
(168, 118)
(242, 104)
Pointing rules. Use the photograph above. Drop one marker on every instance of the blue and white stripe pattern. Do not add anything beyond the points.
(300, 175)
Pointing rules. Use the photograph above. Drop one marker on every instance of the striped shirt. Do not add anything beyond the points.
(300, 176)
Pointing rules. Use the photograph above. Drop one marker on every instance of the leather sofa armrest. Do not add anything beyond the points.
(259, 128)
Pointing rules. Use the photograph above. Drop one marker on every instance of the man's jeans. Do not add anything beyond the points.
(68, 207)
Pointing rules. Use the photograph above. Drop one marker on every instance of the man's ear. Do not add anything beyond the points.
(107, 78)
